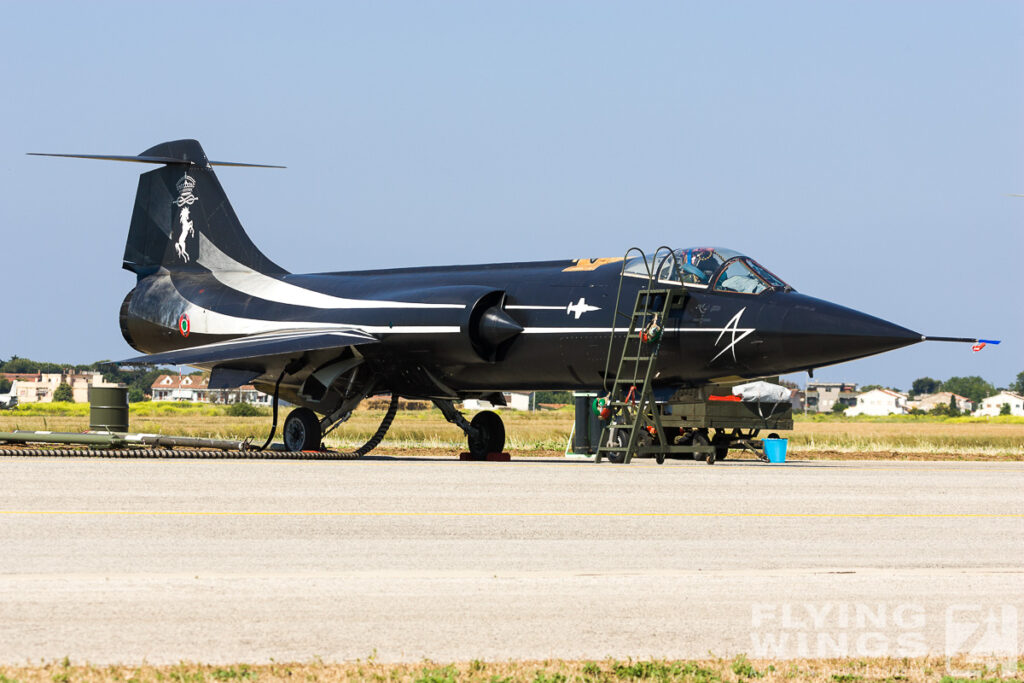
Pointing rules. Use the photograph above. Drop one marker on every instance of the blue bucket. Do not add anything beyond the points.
(775, 449)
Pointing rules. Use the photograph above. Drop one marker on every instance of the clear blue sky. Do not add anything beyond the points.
(864, 151)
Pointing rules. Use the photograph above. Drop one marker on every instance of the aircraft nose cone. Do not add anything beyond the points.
(817, 332)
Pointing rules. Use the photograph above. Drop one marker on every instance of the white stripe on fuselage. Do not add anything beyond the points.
(254, 283)
(516, 307)
(205, 321)
(607, 330)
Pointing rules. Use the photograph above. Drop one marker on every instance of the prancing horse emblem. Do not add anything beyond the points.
(184, 201)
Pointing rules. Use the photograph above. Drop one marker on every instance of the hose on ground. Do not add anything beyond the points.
(196, 453)
(377, 437)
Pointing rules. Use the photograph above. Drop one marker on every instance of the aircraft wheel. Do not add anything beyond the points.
(721, 447)
(616, 439)
(492, 434)
(302, 430)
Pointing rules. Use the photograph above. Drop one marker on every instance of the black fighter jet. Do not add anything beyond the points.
(205, 296)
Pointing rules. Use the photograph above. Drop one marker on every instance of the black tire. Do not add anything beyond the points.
(492, 434)
(699, 439)
(721, 447)
(773, 435)
(302, 431)
(617, 439)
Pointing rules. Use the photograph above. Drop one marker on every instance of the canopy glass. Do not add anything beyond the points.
(709, 267)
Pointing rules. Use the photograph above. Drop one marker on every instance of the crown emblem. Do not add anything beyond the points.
(185, 187)
(186, 184)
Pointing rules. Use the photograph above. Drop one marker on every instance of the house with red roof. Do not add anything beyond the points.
(196, 389)
(879, 402)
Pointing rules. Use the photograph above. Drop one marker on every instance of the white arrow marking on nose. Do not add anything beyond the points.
(738, 335)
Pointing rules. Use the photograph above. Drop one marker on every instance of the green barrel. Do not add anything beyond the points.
(108, 409)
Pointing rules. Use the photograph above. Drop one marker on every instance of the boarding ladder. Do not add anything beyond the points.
(634, 415)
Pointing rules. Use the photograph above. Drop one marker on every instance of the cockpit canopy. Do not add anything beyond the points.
(715, 268)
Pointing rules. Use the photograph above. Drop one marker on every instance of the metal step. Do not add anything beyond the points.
(650, 304)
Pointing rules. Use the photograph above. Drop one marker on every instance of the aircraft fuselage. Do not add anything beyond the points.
(427, 321)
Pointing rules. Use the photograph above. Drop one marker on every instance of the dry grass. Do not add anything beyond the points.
(546, 432)
(946, 438)
(848, 670)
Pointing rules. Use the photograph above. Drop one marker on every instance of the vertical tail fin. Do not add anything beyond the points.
(183, 219)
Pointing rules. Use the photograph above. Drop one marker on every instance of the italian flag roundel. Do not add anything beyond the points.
(184, 325)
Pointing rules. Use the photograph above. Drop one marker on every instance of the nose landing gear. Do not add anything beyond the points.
(492, 433)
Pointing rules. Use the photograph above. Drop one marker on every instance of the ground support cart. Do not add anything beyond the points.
(736, 425)
(704, 428)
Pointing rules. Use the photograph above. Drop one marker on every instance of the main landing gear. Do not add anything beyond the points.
(485, 433)
(304, 431)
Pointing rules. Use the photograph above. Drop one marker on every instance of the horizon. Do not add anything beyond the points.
(183, 372)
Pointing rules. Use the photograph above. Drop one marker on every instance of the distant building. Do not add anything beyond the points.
(192, 388)
(39, 388)
(930, 401)
(21, 376)
(879, 402)
(798, 399)
(515, 401)
(993, 404)
(196, 389)
(821, 396)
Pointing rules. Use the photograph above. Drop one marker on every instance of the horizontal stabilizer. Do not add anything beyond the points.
(150, 159)
(257, 346)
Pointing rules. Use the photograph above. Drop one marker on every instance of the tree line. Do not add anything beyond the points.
(137, 379)
(974, 388)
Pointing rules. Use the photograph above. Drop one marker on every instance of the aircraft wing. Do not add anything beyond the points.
(257, 346)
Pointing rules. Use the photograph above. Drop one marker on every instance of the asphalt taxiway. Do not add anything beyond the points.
(216, 561)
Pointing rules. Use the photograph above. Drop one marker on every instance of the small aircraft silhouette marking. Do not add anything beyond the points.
(579, 308)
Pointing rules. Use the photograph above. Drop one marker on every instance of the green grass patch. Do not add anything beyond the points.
(234, 673)
(142, 409)
(709, 670)
(448, 674)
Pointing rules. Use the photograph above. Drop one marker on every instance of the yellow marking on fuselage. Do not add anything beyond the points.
(583, 264)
